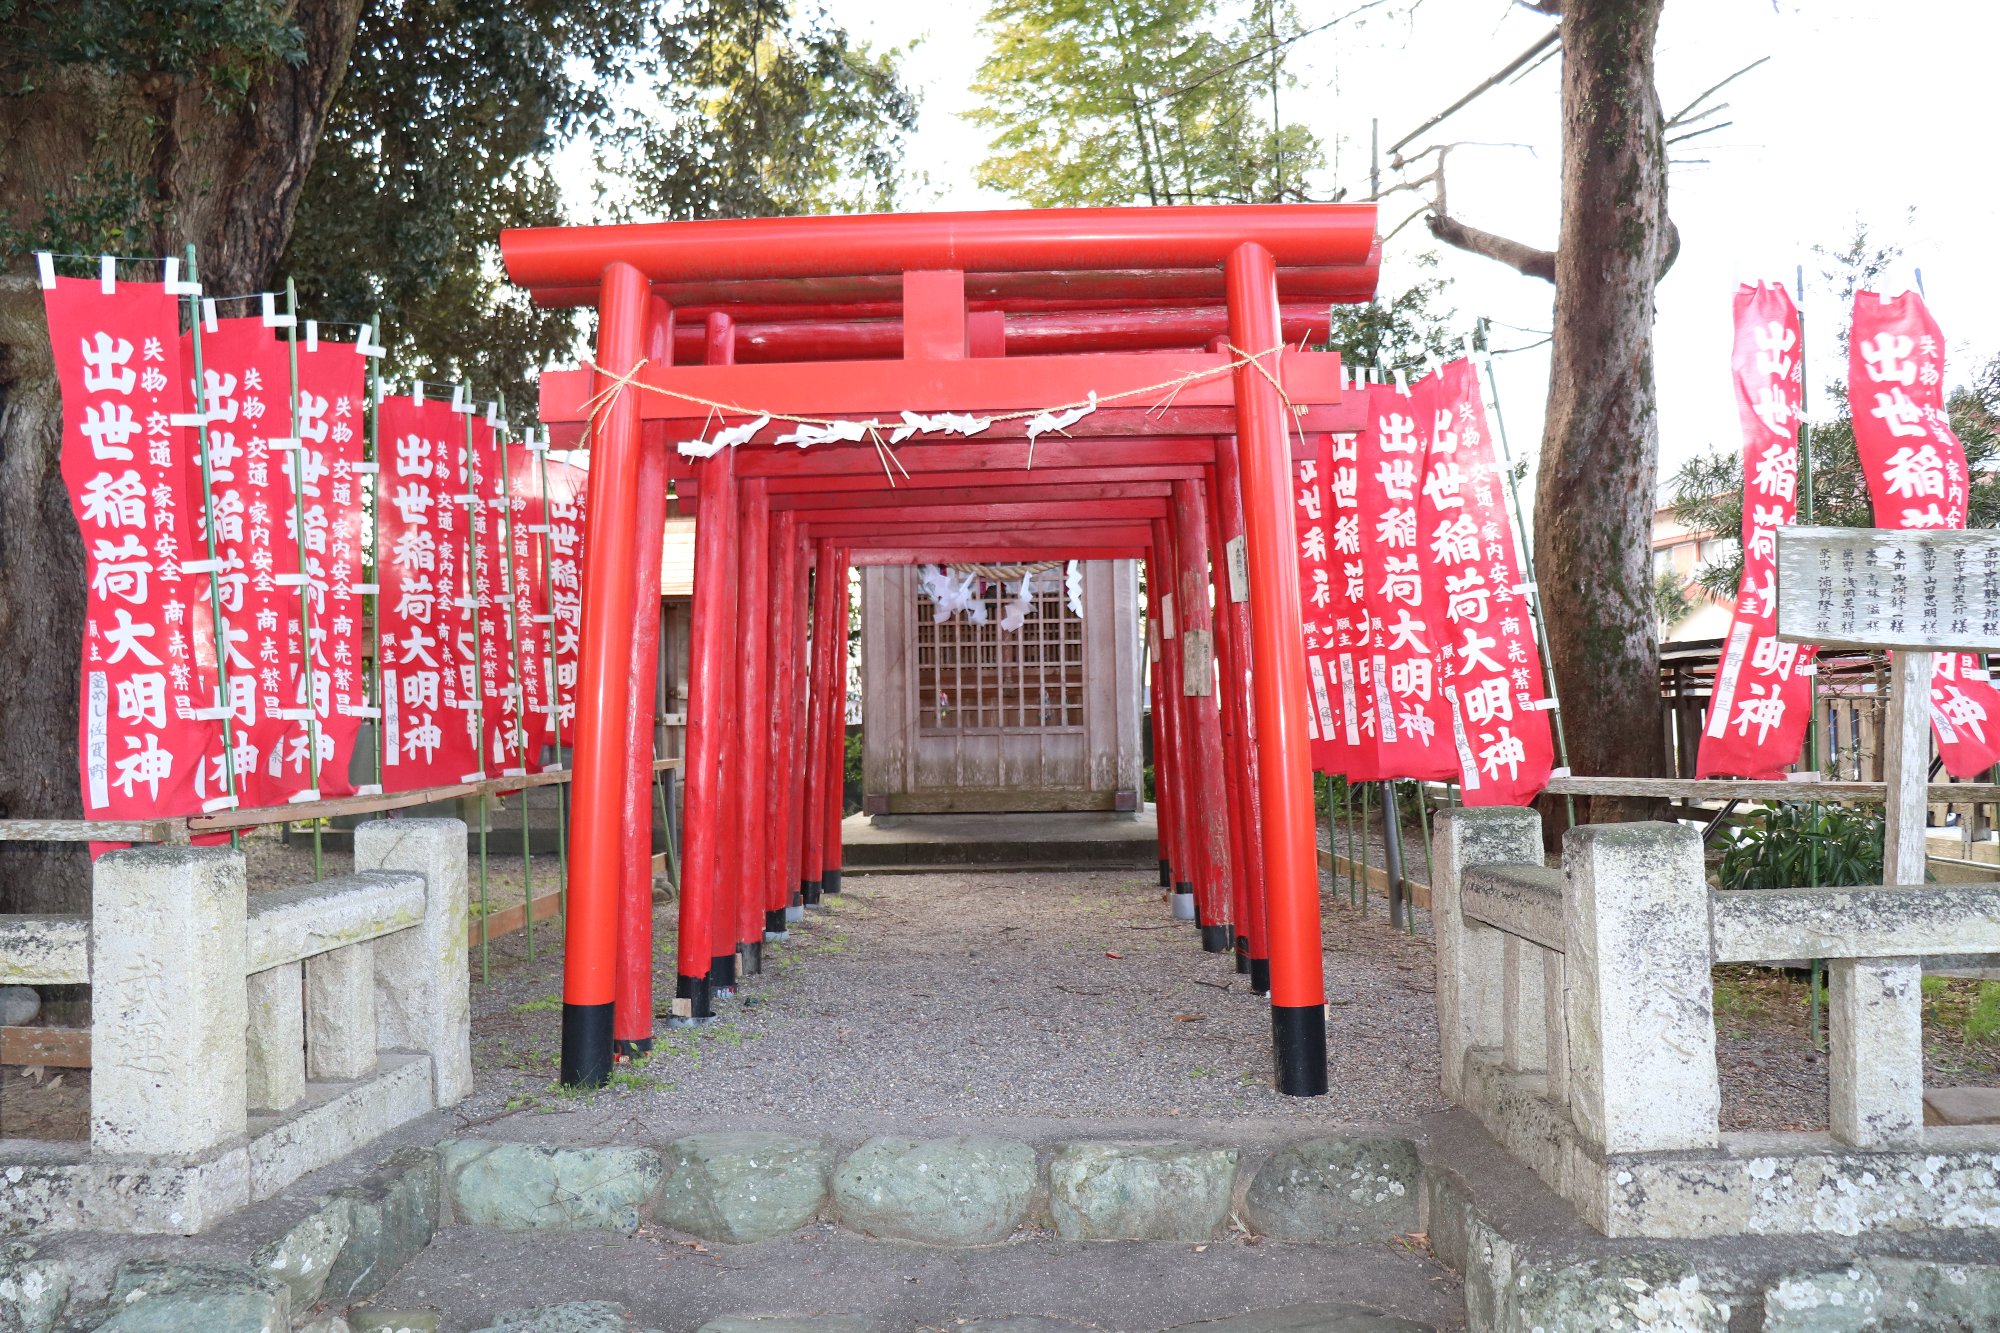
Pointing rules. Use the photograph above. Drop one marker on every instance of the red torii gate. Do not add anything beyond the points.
(1001, 315)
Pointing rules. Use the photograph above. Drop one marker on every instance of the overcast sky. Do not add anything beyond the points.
(1865, 112)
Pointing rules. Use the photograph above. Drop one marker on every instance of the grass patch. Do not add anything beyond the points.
(547, 1004)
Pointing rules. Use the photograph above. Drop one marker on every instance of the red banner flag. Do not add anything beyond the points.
(247, 387)
(332, 416)
(426, 628)
(1917, 478)
(530, 526)
(148, 655)
(1353, 751)
(1762, 701)
(566, 500)
(1313, 519)
(503, 749)
(1411, 724)
(1487, 651)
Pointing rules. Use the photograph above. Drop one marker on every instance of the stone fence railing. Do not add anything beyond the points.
(241, 1040)
(1576, 1013)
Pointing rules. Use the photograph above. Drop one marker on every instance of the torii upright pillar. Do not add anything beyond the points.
(1284, 762)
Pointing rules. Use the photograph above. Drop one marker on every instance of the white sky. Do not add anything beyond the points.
(1865, 111)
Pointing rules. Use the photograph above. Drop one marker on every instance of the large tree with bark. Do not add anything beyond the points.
(1595, 493)
(372, 149)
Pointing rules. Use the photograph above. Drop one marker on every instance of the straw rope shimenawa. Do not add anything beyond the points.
(1168, 389)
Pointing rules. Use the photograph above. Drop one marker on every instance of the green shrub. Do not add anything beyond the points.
(1795, 846)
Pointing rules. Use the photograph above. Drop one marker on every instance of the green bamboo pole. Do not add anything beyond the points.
(1812, 681)
(227, 703)
(503, 494)
(1528, 572)
(1424, 823)
(298, 452)
(374, 457)
(472, 502)
(541, 450)
(1367, 791)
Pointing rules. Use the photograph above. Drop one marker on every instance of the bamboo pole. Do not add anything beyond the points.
(298, 451)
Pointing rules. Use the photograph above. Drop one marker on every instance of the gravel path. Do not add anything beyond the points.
(975, 996)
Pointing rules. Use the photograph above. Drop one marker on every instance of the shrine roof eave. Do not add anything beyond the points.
(919, 553)
(1021, 240)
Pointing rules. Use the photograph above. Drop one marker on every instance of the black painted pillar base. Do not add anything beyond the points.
(752, 955)
(722, 976)
(829, 880)
(774, 922)
(809, 892)
(636, 1049)
(586, 1045)
(691, 1001)
(1215, 939)
(1243, 954)
(1298, 1035)
(1260, 976)
(1166, 874)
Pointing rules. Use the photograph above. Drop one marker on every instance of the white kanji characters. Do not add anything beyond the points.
(1398, 477)
(1350, 570)
(1403, 634)
(1467, 596)
(1777, 471)
(109, 427)
(414, 550)
(220, 393)
(1895, 411)
(1503, 750)
(1397, 527)
(120, 569)
(1488, 701)
(313, 424)
(307, 473)
(222, 455)
(1347, 534)
(105, 365)
(1321, 593)
(115, 501)
(127, 636)
(1456, 541)
(1309, 503)
(147, 763)
(1401, 582)
(1444, 436)
(1961, 710)
(1773, 657)
(1312, 543)
(142, 698)
(413, 502)
(1914, 473)
(1927, 518)
(424, 736)
(1760, 710)
(1774, 350)
(1398, 433)
(1764, 525)
(1472, 654)
(1886, 355)
(1443, 484)
(1774, 408)
(1417, 724)
(413, 457)
(415, 647)
(1411, 678)
(416, 599)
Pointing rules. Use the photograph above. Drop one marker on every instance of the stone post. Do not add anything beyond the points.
(423, 999)
(1524, 1037)
(277, 1038)
(1875, 1040)
(1640, 1003)
(340, 1012)
(168, 1001)
(1469, 961)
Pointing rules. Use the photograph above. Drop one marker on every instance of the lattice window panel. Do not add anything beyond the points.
(981, 678)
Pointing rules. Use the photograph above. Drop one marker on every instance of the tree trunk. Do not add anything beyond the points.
(1600, 447)
(229, 181)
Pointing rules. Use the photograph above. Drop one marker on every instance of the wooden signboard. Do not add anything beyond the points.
(1920, 592)
(1884, 588)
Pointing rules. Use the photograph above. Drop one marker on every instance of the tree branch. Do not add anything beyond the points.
(1525, 259)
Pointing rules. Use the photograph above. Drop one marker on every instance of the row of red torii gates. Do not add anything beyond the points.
(1168, 320)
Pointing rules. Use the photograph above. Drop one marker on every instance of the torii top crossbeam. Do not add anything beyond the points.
(1189, 298)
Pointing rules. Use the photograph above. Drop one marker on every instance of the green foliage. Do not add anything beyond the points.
(224, 44)
(1708, 489)
(1410, 331)
(850, 769)
(768, 112)
(1790, 846)
(1671, 604)
(108, 211)
(1139, 101)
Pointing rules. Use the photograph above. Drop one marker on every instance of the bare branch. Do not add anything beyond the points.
(1546, 41)
(1524, 259)
(1404, 223)
(1681, 115)
(1217, 72)
(1696, 134)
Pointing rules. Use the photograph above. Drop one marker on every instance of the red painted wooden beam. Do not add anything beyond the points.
(1052, 454)
(878, 295)
(1015, 240)
(1075, 510)
(921, 497)
(870, 483)
(990, 555)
